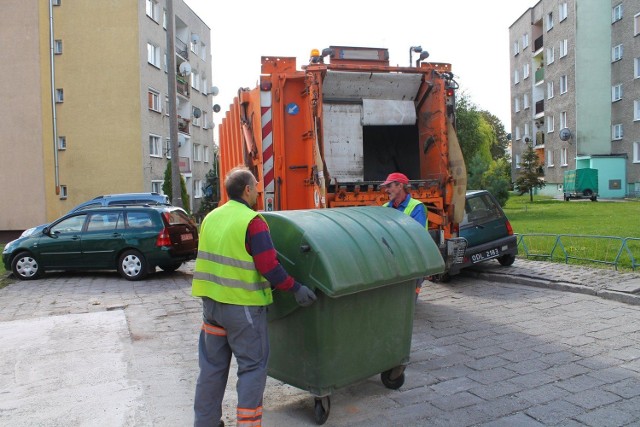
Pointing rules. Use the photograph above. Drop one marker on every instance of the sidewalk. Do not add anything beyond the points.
(602, 282)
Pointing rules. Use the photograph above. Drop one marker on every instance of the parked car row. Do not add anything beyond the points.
(132, 236)
(135, 233)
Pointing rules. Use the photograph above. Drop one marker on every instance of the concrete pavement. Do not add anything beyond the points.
(93, 349)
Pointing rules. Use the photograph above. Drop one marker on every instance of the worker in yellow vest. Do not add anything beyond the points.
(235, 271)
(397, 187)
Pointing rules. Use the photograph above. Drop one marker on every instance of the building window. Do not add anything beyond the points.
(516, 47)
(562, 11)
(616, 132)
(550, 55)
(616, 13)
(206, 154)
(194, 44)
(516, 77)
(616, 93)
(56, 2)
(563, 157)
(525, 40)
(636, 24)
(195, 80)
(636, 110)
(166, 105)
(164, 19)
(63, 192)
(154, 146)
(152, 9)
(517, 105)
(153, 55)
(205, 120)
(518, 133)
(563, 85)
(156, 186)
(517, 161)
(57, 47)
(197, 188)
(62, 143)
(525, 72)
(59, 96)
(167, 150)
(636, 68)
(563, 120)
(616, 53)
(550, 124)
(636, 152)
(154, 101)
(526, 129)
(549, 21)
(525, 101)
(564, 48)
(197, 152)
(550, 158)
(549, 90)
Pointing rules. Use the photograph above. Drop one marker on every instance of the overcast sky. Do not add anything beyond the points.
(472, 35)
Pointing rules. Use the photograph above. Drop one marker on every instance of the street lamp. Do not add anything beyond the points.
(416, 49)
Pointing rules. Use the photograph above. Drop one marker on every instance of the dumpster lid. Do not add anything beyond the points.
(342, 251)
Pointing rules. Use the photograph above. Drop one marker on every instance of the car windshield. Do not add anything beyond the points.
(177, 217)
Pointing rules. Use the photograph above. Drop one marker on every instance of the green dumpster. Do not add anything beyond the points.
(363, 263)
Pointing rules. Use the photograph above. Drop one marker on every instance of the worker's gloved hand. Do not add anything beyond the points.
(304, 296)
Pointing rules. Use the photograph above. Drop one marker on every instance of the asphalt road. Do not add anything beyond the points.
(80, 349)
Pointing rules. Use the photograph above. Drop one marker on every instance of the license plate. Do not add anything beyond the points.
(488, 254)
(186, 236)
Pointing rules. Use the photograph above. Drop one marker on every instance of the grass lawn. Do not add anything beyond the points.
(617, 219)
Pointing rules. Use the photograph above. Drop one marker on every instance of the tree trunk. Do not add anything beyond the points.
(531, 195)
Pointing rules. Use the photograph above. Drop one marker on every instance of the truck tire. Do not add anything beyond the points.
(587, 193)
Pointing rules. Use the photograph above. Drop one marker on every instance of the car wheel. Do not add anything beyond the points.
(170, 267)
(26, 267)
(507, 260)
(132, 265)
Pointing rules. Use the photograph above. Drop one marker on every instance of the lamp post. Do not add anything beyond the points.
(416, 49)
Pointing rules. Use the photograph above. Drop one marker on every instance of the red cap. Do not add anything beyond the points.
(396, 177)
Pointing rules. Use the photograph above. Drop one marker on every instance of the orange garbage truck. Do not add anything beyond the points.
(328, 134)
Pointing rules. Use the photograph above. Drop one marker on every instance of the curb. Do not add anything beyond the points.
(618, 296)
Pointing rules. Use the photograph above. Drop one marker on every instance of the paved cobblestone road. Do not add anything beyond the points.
(483, 353)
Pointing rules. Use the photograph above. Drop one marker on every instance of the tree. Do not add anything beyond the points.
(529, 175)
(167, 189)
(501, 142)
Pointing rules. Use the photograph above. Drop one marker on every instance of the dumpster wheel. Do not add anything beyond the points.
(393, 378)
(322, 409)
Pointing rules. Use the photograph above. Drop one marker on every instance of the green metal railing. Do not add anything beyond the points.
(618, 252)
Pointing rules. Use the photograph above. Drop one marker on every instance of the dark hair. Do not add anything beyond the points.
(236, 181)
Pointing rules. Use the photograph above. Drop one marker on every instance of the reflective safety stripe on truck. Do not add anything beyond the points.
(267, 150)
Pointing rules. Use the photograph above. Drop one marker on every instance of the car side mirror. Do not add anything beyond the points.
(46, 231)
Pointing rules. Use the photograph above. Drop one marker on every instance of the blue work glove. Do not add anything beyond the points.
(304, 296)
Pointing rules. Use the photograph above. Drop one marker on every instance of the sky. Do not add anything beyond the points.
(472, 35)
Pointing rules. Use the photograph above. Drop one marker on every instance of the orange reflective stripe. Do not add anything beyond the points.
(257, 423)
(214, 330)
(249, 412)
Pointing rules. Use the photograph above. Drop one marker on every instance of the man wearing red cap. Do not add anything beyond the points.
(396, 186)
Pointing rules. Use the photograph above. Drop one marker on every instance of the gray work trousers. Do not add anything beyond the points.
(227, 329)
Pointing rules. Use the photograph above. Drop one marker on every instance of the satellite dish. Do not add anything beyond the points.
(197, 112)
(214, 90)
(216, 108)
(185, 68)
(195, 38)
(526, 139)
(565, 134)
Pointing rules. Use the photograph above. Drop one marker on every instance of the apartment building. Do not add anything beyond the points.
(85, 106)
(575, 91)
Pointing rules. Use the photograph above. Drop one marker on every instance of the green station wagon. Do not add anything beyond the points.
(133, 240)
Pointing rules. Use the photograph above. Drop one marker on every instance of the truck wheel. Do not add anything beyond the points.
(396, 382)
(322, 409)
(594, 199)
(507, 260)
(587, 193)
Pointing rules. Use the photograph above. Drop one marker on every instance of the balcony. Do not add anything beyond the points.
(183, 125)
(539, 108)
(539, 75)
(182, 48)
(182, 86)
(539, 138)
(537, 44)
